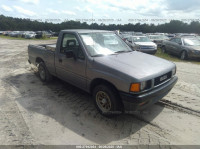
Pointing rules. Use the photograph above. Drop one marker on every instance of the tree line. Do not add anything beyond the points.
(174, 26)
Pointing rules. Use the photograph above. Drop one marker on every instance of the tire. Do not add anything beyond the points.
(164, 49)
(44, 74)
(107, 100)
(183, 55)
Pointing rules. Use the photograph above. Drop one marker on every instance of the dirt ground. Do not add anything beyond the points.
(35, 113)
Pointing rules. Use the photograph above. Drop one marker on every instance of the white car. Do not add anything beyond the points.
(142, 43)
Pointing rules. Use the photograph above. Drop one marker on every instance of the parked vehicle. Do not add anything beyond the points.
(14, 34)
(30, 35)
(41, 34)
(142, 44)
(6, 33)
(183, 35)
(24, 33)
(138, 34)
(158, 39)
(118, 78)
(55, 34)
(185, 47)
(171, 36)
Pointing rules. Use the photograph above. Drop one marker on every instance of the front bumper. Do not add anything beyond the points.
(141, 101)
(195, 54)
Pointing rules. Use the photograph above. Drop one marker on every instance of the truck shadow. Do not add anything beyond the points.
(74, 110)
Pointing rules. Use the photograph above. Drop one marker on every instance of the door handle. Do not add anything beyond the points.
(60, 60)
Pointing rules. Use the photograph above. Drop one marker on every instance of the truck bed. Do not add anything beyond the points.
(46, 52)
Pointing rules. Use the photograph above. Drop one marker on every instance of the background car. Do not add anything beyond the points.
(142, 43)
(14, 34)
(158, 39)
(185, 47)
(30, 35)
(41, 34)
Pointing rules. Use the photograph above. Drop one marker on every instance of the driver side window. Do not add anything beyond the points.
(173, 40)
(70, 43)
(178, 41)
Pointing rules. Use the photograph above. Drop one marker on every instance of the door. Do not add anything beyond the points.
(73, 69)
(178, 46)
(171, 45)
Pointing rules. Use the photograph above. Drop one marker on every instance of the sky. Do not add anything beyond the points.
(103, 11)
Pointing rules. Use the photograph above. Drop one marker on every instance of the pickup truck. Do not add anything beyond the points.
(101, 63)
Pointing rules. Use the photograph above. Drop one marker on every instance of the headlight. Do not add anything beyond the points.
(173, 72)
(143, 85)
(195, 51)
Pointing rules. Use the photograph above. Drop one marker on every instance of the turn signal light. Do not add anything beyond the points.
(135, 87)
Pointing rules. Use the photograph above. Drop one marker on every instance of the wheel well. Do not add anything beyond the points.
(38, 60)
(183, 50)
(99, 81)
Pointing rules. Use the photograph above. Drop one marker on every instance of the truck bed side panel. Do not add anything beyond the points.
(48, 56)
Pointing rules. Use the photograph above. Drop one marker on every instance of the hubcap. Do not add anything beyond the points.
(103, 101)
(42, 73)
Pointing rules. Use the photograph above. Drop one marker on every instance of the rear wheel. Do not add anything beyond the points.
(106, 101)
(183, 55)
(44, 74)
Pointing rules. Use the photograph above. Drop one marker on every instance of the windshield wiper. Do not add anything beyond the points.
(123, 51)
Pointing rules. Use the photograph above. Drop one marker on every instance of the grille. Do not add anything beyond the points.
(159, 80)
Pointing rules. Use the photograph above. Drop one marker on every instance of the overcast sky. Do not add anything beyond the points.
(103, 11)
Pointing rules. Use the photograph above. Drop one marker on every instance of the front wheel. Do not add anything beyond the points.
(106, 101)
(183, 55)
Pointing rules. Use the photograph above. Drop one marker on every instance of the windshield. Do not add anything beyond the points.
(141, 39)
(100, 44)
(191, 42)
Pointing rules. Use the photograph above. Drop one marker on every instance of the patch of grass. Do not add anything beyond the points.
(20, 38)
(173, 58)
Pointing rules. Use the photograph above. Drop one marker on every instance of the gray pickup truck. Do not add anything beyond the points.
(101, 63)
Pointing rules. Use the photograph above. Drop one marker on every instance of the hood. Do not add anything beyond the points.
(135, 64)
(145, 43)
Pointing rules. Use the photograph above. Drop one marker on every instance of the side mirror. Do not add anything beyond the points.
(70, 54)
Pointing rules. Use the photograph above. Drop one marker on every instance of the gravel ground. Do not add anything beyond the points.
(35, 113)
